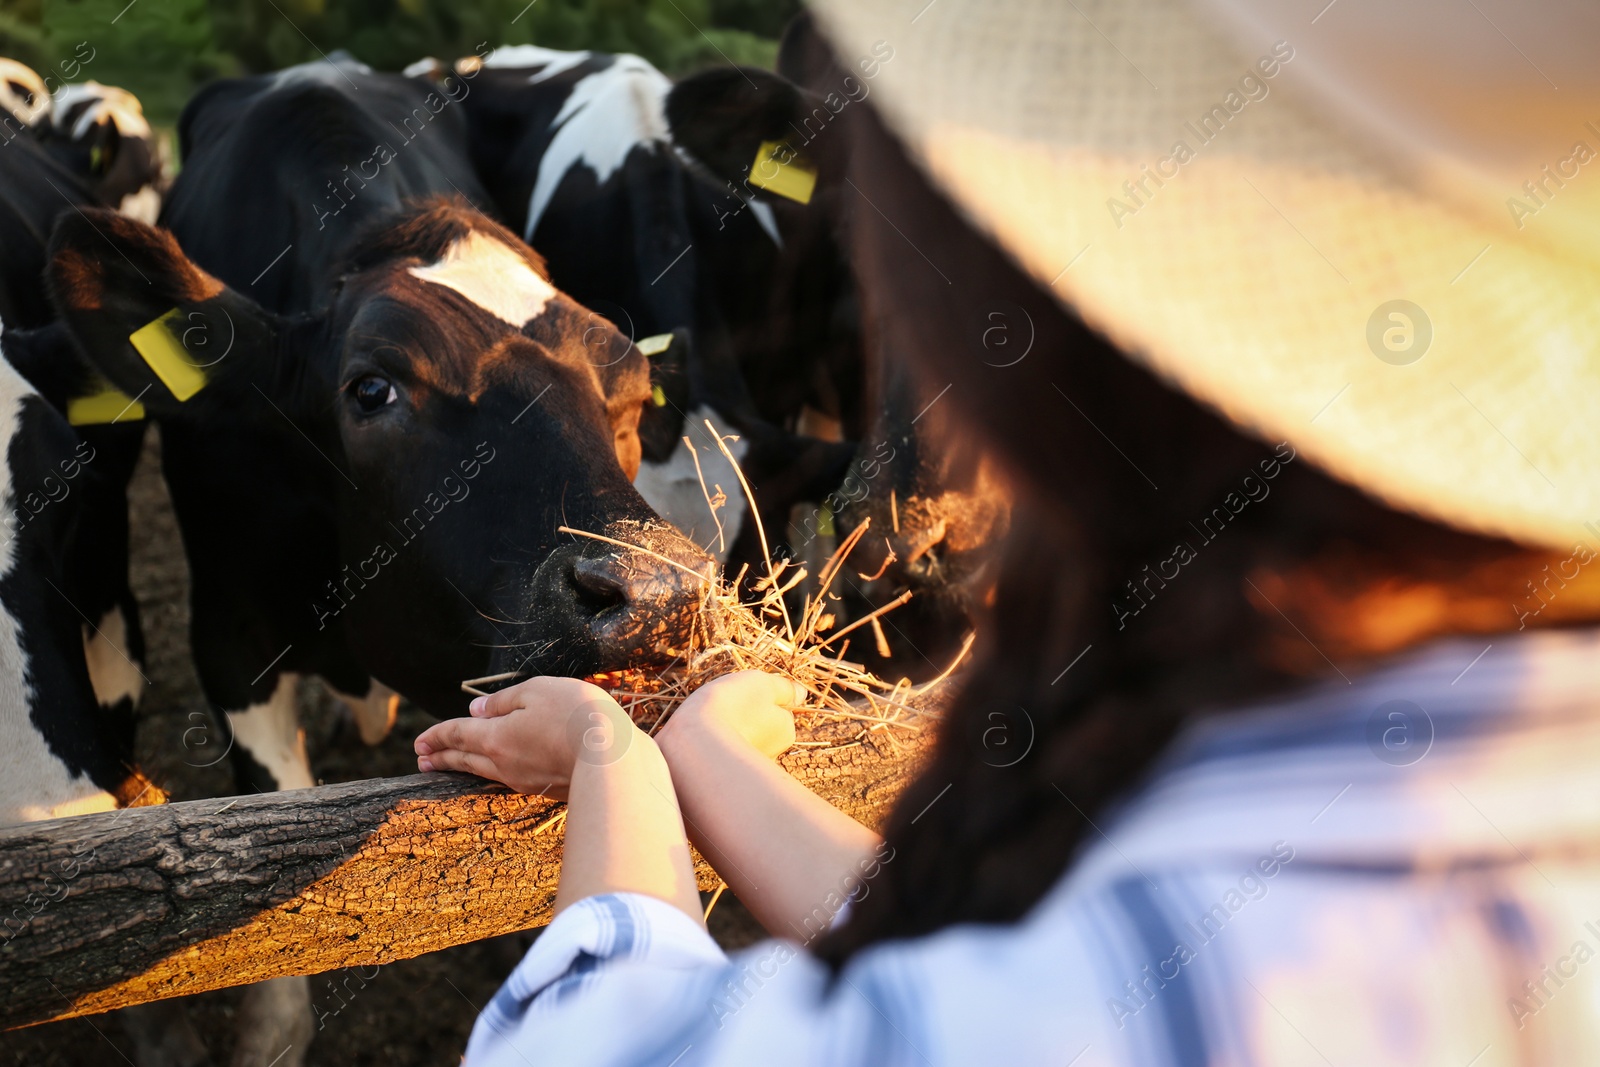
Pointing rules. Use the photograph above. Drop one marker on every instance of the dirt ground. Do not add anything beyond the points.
(416, 1012)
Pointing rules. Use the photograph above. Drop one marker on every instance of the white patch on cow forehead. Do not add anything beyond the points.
(102, 102)
(608, 113)
(491, 275)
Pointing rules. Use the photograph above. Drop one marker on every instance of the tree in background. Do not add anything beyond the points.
(162, 50)
(159, 49)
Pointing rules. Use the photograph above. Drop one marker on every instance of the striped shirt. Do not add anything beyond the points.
(1399, 869)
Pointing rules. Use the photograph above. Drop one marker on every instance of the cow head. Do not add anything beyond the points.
(99, 132)
(939, 509)
(464, 410)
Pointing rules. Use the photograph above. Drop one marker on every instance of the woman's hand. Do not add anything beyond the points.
(567, 739)
(752, 706)
(530, 735)
(784, 850)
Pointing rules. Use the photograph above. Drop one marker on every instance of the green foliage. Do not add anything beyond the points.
(160, 49)
(20, 36)
(163, 50)
(764, 18)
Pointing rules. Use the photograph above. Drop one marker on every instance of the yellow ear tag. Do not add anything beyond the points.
(166, 356)
(658, 396)
(110, 404)
(825, 521)
(795, 179)
(655, 344)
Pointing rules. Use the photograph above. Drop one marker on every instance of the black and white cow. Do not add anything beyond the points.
(61, 752)
(936, 507)
(97, 132)
(34, 189)
(575, 144)
(576, 151)
(939, 511)
(376, 413)
(371, 479)
(71, 647)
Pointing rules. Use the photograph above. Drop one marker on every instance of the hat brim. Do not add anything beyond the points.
(1252, 249)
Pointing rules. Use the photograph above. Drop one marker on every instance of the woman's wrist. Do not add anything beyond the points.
(685, 732)
(599, 732)
(624, 830)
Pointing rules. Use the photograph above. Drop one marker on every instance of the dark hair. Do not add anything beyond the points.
(1101, 643)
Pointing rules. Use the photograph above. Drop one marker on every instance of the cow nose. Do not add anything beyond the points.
(922, 550)
(925, 568)
(639, 604)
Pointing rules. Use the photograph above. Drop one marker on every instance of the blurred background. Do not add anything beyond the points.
(162, 50)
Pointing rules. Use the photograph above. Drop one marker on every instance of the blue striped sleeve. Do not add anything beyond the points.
(576, 949)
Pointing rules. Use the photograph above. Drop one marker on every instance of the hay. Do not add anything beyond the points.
(731, 635)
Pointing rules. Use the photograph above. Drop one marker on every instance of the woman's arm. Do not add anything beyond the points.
(560, 736)
(624, 830)
(789, 855)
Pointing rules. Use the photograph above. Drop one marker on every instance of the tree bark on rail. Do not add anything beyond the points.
(103, 911)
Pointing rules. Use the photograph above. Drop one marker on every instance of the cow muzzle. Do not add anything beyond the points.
(633, 606)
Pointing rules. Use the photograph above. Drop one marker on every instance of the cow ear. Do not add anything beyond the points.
(661, 423)
(159, 328)
(103, 143)
(722, 117)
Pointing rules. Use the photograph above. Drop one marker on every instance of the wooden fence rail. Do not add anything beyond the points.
(103, 911)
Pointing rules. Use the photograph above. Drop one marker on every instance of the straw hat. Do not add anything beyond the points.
(1372, 232)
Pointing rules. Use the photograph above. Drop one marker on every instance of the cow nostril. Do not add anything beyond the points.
(924, 557)
(633, 605)
(597, 589)
(927, 563)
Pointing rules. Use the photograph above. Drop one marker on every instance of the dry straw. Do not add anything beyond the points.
(730, 635)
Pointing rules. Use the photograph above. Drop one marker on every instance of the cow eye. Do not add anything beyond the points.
(372, 393)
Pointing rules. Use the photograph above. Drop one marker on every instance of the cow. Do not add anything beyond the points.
(97, 132)
(34, 188)
(402, 367)
(935, 503)
(377, 413)
(939, 511)
(100, 132)
(577, 143)
(67, 751)
(71, 646)
(65, 754)
(575, 149)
